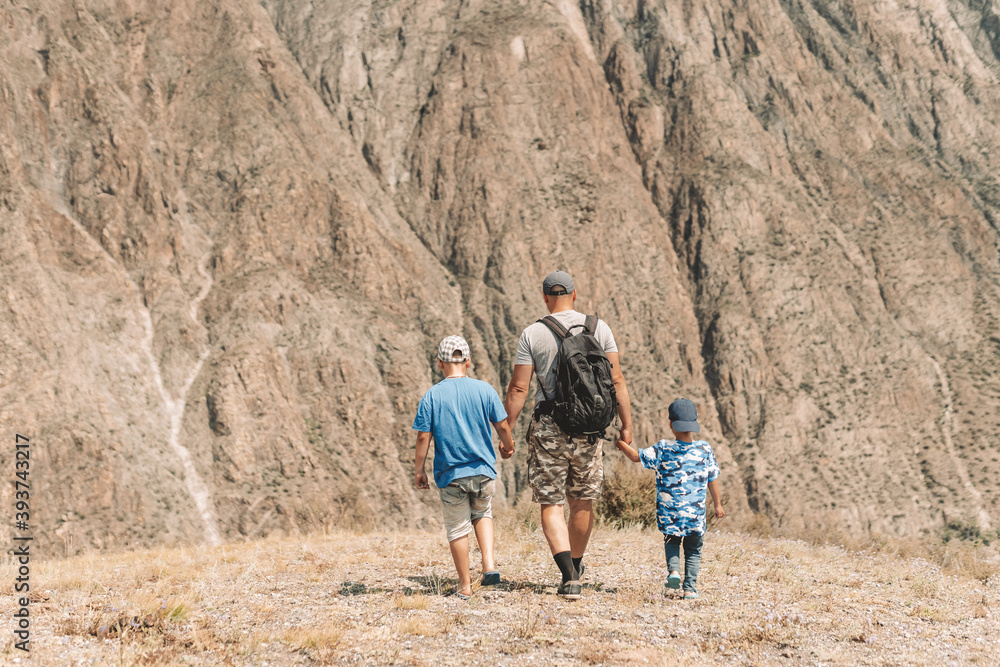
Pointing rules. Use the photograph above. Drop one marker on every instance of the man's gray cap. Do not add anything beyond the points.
(557, 279)
(447, 348)
(683, 416)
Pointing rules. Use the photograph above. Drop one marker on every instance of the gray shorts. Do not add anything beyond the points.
(465, 500)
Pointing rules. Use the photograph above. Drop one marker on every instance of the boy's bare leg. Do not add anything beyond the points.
(460, 554)
(554, 528)
(581, 524)
(484, 535)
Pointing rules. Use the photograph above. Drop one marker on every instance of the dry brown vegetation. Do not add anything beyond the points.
(381, 598)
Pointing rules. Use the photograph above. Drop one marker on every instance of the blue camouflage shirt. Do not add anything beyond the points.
(683, 471)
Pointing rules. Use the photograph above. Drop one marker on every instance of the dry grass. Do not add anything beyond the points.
(380, 598)
(975, 559)
(412, 601)
(322, 638)
(423, 627)
(593, 653)
(526, 624)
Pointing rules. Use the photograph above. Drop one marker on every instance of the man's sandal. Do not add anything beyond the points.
(673, 581)
(691, 595)
(491, 578)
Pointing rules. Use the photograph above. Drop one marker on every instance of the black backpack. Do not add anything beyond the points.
(585, 401)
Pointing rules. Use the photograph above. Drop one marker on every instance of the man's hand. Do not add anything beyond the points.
(420, 480)
(621, 393)
(719, 512)
(506, 453)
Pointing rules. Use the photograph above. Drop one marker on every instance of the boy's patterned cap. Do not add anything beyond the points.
(447, 348)
(683, 416)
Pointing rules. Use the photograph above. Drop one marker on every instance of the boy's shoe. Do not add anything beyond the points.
(570, 590)
(579, 575)
(673, 581)
(491, 578)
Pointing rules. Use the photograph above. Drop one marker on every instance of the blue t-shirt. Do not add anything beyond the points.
(683, 471)
(458, 413)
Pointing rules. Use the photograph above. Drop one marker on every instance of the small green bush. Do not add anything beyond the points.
(629, 495)
(968, 531)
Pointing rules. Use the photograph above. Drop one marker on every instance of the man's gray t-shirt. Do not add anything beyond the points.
(538, 347)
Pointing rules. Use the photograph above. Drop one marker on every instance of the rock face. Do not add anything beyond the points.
(232, 234)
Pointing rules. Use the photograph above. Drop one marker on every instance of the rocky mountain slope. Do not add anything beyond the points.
(232, 234)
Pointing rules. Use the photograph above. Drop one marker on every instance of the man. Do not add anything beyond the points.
(561, 466)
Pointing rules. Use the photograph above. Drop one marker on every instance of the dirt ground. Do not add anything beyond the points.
(382, 598)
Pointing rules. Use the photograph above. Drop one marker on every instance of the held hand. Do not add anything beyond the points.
(626, 449)
(626, 435)
(420, 480)
(506, 453)
(719, 512)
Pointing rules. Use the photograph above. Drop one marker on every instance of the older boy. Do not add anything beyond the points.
(458, 412)
(684, 468)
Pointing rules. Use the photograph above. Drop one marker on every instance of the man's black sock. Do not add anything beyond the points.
(564, 560)
(576, 565)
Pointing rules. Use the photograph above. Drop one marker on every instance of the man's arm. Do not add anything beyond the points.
(420, 477)
(517, 392)
(506, 441)
(621, 393)
(713, 488)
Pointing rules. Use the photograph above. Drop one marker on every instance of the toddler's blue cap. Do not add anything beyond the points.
(683, 416)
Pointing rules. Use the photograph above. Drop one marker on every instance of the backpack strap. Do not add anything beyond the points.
(589, 325)
(556, 326)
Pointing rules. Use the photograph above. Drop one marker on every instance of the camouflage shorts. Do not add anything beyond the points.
(560, 466)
